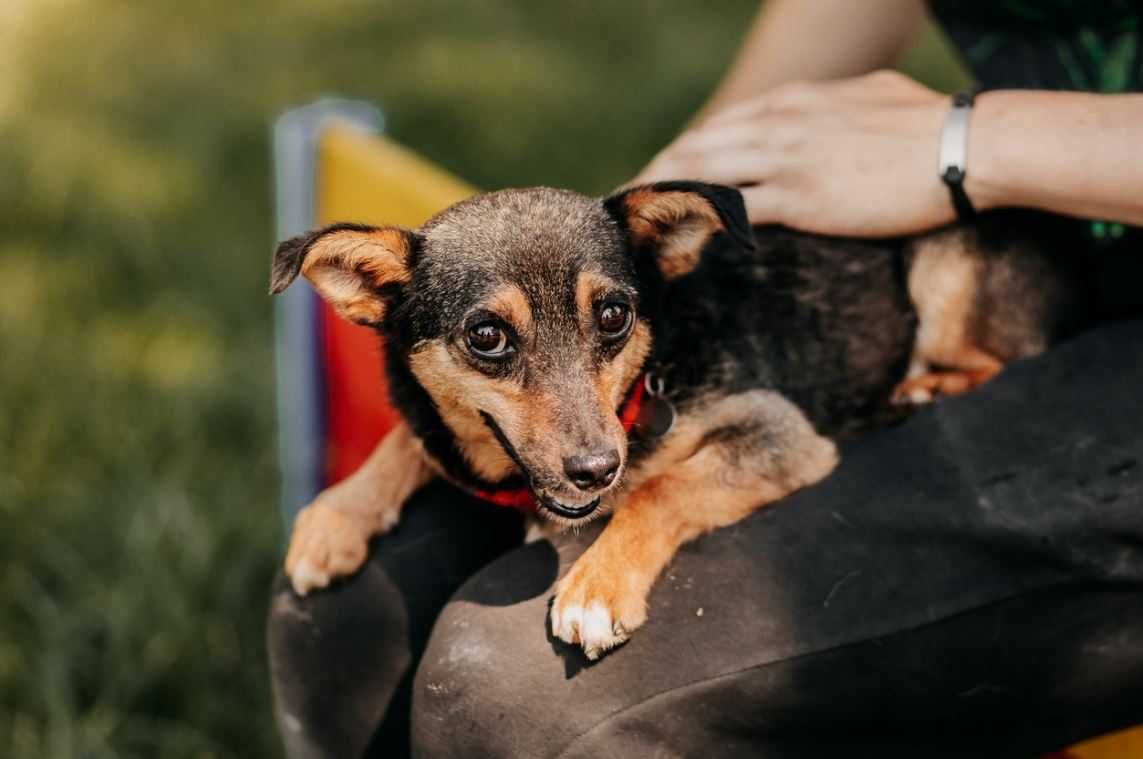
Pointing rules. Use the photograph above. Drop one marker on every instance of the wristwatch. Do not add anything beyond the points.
(953, 160)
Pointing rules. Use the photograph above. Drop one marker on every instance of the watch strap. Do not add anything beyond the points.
(952, 163)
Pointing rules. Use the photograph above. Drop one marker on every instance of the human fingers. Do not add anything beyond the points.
(718, 166)
(765, 204)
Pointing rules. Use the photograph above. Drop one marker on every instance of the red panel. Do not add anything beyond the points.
(356, 398)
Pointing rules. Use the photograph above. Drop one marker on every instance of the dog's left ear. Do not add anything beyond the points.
(675, 221)
(354, 267)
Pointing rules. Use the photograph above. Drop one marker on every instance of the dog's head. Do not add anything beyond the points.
(519, 314)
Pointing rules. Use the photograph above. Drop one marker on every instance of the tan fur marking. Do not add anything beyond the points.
(942, 284)
(687, 434)
(613, 381)
(345, 267)
(678, 224)
(330, 536)
(588, 285)
(459, 394)
(510, 305)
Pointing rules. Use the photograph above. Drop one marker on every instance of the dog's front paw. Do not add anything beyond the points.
(597, 605)
(327, 543)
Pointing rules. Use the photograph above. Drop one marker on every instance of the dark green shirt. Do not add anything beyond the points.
(1094, 46)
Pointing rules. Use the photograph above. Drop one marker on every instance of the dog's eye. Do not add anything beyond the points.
(614, 319)
(488, 340)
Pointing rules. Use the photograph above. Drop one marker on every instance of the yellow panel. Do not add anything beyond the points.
(369, 179)
(1124, 745)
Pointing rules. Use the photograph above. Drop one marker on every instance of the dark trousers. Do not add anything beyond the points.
(969, 583)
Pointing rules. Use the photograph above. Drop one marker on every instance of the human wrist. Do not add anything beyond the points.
(985, 179)
(1019, 148)
(1064, 152)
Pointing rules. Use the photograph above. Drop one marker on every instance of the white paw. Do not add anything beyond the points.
(591, 627)
(919, 396)
(306, 577)
(904, 395)
(599, 603)
(389, 520)
(326, 544)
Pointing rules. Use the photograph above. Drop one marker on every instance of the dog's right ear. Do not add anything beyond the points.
(354, 267)
(673, 221)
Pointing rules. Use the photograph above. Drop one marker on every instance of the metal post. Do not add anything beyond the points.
(301, 412)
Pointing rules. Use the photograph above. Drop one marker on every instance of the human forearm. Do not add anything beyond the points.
(810, 40)
(859, 156)
(1071, 153)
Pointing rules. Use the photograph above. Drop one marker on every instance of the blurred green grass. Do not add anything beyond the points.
(138, 529)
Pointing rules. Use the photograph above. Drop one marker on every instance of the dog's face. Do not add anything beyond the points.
(520, 316)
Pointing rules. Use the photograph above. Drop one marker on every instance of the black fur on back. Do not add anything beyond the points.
(824, 321)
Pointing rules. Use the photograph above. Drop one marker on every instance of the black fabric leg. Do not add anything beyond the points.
(342, 658)
(969, 583)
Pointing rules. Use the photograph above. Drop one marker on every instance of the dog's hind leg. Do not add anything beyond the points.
(968, 368)
(944, 277)
(721, 462)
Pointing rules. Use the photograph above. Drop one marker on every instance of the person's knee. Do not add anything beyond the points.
(288, 611)
(462, 704)
(481, 684)
(366, 605)
(336, 657)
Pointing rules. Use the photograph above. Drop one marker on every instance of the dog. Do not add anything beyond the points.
(651, 355)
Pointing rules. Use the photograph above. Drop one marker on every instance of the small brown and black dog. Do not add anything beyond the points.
(652, 353)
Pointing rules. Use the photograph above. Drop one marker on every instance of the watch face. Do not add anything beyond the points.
(952, 157)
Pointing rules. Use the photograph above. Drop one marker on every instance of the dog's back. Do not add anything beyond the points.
(835, 324)
(824, 321)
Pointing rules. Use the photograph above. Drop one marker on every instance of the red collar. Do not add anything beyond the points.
(522, 498)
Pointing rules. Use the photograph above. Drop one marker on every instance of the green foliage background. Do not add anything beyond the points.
(138, 529)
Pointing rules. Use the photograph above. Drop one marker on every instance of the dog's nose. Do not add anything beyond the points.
(592, 470)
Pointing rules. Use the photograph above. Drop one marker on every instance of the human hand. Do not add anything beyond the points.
(851, 157)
